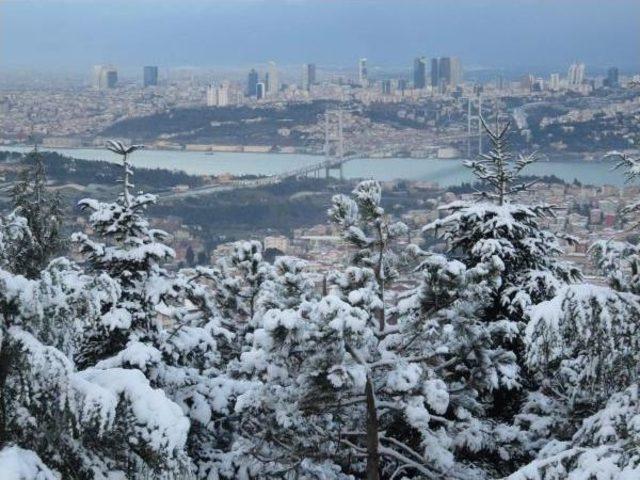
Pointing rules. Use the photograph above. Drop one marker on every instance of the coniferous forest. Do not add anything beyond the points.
(500, 361)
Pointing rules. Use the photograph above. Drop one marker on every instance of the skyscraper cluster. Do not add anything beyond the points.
(575, 76)
(104, 76)
(446, 72)
(269, 87)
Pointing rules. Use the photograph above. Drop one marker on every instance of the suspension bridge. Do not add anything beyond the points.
(334, 160)
(334, 154)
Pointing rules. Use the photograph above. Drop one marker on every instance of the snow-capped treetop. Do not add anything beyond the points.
(129, 242)
(124, 151)
(369, 232)
(498, 169)
(367, 228)
(239, 280)
(509, 242)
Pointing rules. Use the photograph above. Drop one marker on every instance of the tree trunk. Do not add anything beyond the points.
(373, 455)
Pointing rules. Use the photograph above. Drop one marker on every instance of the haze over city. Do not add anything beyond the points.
(71, 35)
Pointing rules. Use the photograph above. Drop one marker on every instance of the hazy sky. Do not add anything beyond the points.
(74, 34)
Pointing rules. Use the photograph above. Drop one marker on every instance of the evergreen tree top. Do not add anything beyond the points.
(498, 169)
(42, 212)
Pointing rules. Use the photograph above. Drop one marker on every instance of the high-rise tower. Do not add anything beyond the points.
(613, 77)
(435, 74)
(363, 74)
(575, 75)
(419, 72)
(252, 83)
(274, 83)
(308, 75)
(150, 76)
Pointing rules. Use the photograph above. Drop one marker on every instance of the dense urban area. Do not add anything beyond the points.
(432, 114)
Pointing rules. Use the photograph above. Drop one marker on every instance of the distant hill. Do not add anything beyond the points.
(224, 125)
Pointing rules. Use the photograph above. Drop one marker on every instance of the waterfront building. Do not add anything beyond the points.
(211, 96)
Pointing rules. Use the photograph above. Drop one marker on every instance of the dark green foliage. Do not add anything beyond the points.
(225, 125)
(43, 213)
(61, 168)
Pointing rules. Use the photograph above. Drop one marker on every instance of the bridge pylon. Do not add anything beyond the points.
(334, 142)
(470, 119)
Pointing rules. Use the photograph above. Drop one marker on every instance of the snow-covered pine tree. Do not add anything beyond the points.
(367, 230)
(227, 302)
(605, 446)
(355, 384)
(130, 252)
(281, 432)
(442, 321)
(59, 422)
(505, 237)
(42, 211)
(164, 324)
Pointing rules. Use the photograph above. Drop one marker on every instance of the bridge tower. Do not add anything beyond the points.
(474, 118)
(333, 142)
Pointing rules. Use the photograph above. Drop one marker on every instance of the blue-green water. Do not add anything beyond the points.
(444, 172)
